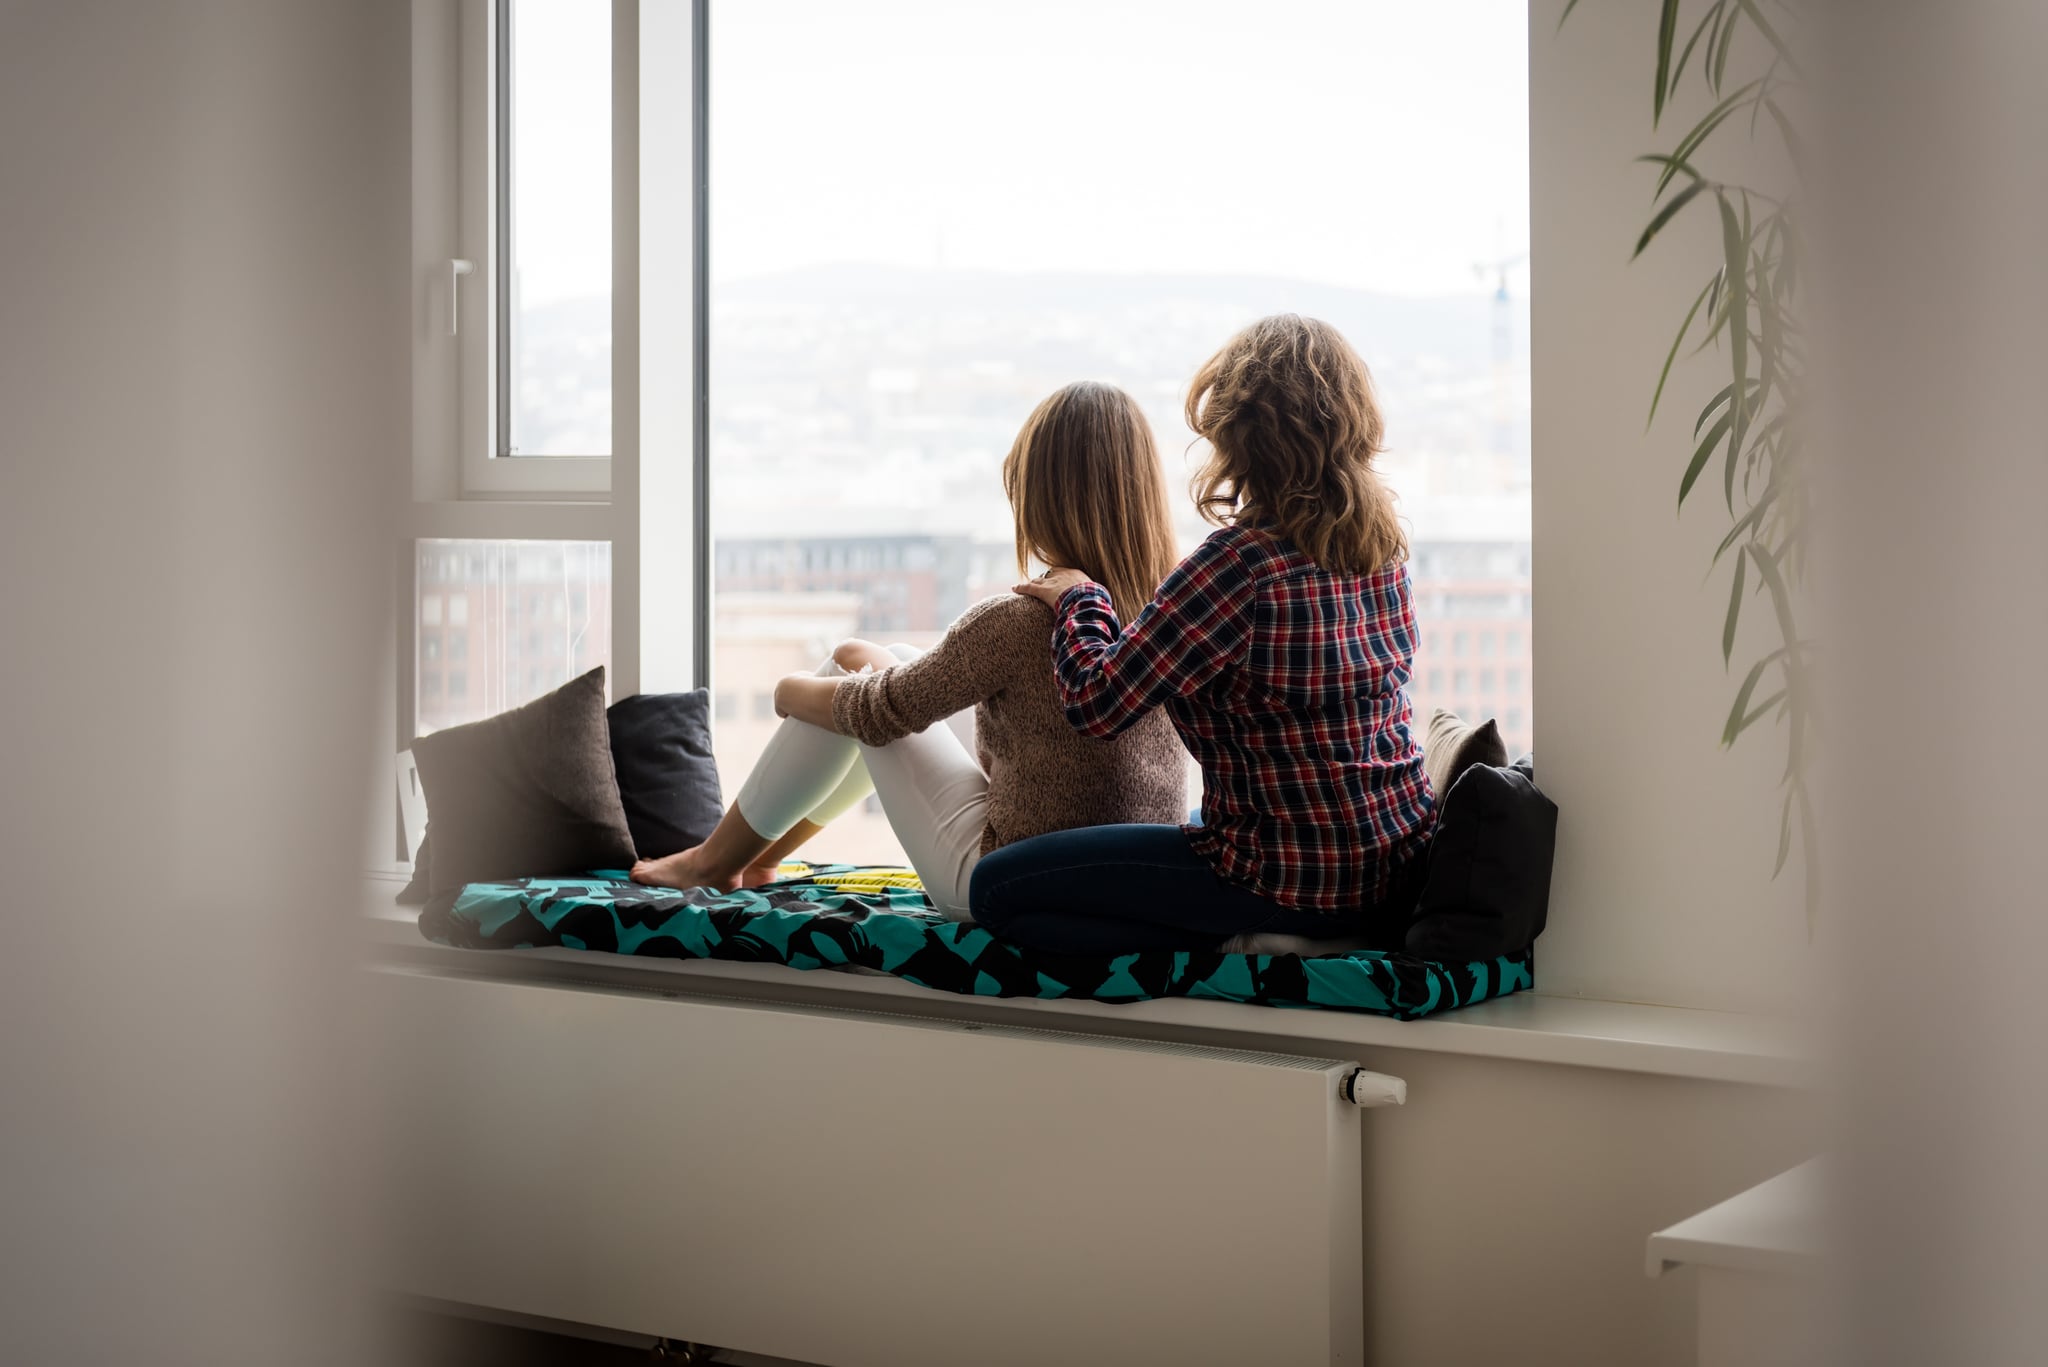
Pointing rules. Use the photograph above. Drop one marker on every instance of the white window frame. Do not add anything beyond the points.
(647, 498)
(485, 159)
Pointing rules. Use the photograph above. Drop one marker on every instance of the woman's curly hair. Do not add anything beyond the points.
(1287, 408)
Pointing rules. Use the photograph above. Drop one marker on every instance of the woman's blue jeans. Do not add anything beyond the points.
(1126, 889)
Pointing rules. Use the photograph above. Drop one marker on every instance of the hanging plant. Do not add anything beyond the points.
(1749, 432)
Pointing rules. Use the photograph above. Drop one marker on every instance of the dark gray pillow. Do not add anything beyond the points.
(528, 793)
(668, 780)
(1487, 891)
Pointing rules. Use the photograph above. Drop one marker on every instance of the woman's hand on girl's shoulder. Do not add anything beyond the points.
(1048, 587)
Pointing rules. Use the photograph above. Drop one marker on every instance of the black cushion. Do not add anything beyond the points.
(667, 778)
(529, 793)
(1487, 891)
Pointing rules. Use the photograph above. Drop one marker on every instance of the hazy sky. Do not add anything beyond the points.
(1375, 143)
(1381, 143)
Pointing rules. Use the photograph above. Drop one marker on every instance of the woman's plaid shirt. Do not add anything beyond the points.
(1287, 683)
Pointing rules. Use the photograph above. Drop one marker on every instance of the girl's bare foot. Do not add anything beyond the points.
(684, 869)
(754, 875)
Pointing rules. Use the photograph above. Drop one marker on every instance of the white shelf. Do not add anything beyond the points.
(1774, 1227)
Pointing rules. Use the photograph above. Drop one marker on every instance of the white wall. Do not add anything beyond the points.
(1665, 842)
(1935, 345)
(203, 401)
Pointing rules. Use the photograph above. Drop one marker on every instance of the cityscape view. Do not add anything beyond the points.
(912, 245)
(860, 417)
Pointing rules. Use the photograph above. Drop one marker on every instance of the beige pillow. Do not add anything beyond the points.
(1454, 745)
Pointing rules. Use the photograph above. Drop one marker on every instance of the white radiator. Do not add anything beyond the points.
(863, 1190)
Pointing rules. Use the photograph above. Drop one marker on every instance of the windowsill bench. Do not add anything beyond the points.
(1532, 1027)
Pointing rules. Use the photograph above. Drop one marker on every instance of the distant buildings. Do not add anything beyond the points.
(1472, 599)
(902, 582)
(501, 622)
(859, 420)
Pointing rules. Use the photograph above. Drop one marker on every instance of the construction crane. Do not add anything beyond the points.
(1503, 348)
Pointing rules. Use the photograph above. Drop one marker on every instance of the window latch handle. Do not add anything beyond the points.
(457, 268)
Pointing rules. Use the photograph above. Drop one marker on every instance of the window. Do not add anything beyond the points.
(535, 216)
(523, 235)
(519, 658)
(554, 228)
(985, 244)
(891, 292)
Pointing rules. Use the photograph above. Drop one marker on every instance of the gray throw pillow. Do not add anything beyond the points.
(1454, 745)
(528, 793)
(668, 779)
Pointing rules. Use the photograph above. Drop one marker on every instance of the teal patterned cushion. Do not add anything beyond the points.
(806, 923)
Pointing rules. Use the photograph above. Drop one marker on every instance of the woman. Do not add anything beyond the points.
(1085, 488)
(1281, 648)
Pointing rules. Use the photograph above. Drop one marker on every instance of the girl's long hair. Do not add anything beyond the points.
(1287, 408)
(1088, 493)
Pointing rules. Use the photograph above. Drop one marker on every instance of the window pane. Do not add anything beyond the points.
(914, 242)
(559, 229)
(532, 615)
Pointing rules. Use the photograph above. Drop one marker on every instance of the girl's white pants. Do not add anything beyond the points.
(933, 792)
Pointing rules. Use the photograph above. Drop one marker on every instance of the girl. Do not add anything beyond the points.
(1085, 488)
(1280, 647)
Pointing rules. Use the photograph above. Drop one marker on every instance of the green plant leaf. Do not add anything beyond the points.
(1795, 150)
(1714, 118)
(1721, 52)
(1737, 724)
(1735, 246)
(1770, 330)
(1699, 457)
(1742, 714)
(1666, 214)
(1707, 56)
(1714, 405)
(1748, 521)
(1781, 596)
(1763, 26)
(1716, 319)
(1667, 32)
(1760, 441)
(1672, 355)
(1734, 611)
(1678, 67)
(1660, 159)
(1784, 835)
